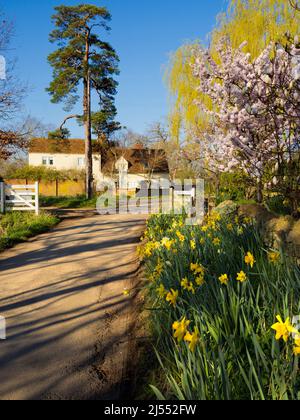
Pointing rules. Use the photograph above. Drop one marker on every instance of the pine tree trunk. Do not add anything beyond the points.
(87, 127)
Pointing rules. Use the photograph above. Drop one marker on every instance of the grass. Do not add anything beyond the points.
(77, 202)
(236, 355)
(18, 227)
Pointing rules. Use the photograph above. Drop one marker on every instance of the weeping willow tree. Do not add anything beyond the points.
(183, 88)
(256, 21)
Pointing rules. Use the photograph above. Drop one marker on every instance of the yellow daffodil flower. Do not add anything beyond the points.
(297, 347)
(193, 245)
(200, 280)
(167, 243)
(283, 329)
(180, 328)
(197, 268)
(224, 279)
(240, 231)
(193, 339)
(247, 220)
(161, 291)
(217, 242)
(185, 283)
(172, 297)
(250, 260)
(242, 277)
(230, 227)
(274, 257)
(191, 288)
(126, 292)
(180, 236)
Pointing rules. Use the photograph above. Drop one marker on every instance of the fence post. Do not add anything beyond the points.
(37, 204)
(2, 197)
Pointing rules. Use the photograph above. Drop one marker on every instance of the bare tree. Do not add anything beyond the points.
(11, 96)
(158, 134)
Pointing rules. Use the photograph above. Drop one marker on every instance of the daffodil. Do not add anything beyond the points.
(191, 288)
(172, 297)
(224, 279)
(180, 236)
(230, 227)
(193, 244)
(180, 328)
(193, 339)
(197, 268)
(240, 231)
(242, 277)
(202, 241)
(217, 241)
(200, 280)
(161, 291)
(283, 329)
(167, 243)
(297, 347)
(274, 257)
(250, 260)
(185, 283)
(247, 220)
(126, 292)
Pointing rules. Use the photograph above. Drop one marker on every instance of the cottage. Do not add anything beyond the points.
(124, 166)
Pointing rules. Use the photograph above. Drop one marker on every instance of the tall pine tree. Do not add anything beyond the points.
(83, 63)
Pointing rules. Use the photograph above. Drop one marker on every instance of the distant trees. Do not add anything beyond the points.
(83, 60)
(12, 93)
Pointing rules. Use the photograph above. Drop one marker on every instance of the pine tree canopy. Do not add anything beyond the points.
(76, 31)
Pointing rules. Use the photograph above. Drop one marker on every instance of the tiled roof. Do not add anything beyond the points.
(140, 161)
(68, 146)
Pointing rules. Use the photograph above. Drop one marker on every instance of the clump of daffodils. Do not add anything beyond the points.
(181, 333)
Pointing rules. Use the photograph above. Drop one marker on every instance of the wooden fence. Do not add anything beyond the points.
(19, 197)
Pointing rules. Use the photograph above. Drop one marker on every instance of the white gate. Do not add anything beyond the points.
(19, 197)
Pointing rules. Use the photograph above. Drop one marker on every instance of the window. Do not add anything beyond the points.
(80, 162)
(48, 161)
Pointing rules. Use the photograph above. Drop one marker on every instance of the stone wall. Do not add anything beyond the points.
(280, 232)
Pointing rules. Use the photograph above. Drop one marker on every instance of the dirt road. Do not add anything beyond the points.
(68, 324)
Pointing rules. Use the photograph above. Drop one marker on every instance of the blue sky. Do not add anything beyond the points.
(144, 33)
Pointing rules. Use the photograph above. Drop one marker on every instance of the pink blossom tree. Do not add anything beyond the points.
(255, 117)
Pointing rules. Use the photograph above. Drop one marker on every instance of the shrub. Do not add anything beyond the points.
(17, 227)
(43, 173)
